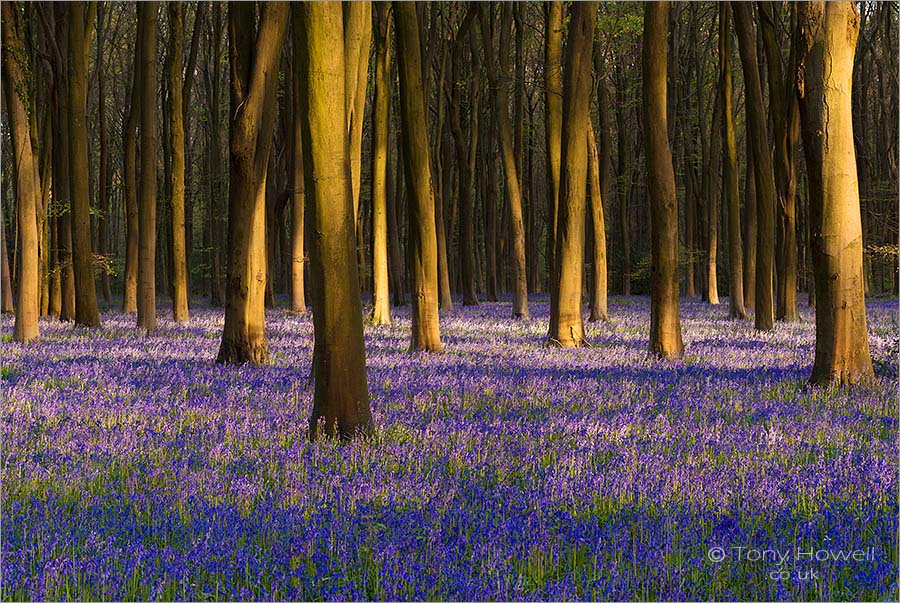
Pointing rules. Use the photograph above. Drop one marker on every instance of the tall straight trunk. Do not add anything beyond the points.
(749, 230)
(55, 302)
(27, 191)
(553, 91)
(499, 79)
(341, 399)
(712, 195)
(6, 307)
(104, 179)
(86, 311)
(186, 89)
(489, 195)
(61, 169)
(786, 131)
(381, 123)
(396, 265)
(177, 183)
(254, 58)
(827, 34)
(690, 225)
(665, 325)
(297, 184)
(623, 172)
(566, 321)
(599, 306)
(762, 161)
(129, 171)
(146, 285)
(443, 186)
(422, 250)
(730, 176)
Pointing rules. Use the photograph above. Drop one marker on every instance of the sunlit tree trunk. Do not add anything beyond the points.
(86, 310)
(419, 185)
(827, 34)
(762, 161)
(176, 135)
(381, 309)
(599, 307)
(341, 400)
(566, 321)
(254, 57)
(712, 194)
(499, 79)
(298, 186)
(146, 281)
(7, 301)
(553, 91)
(26, 189)
(749, 230)
(129, 171)
(665, 325)
(730, 176)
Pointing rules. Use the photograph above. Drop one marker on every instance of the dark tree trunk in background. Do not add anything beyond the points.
(146, 289)
(177, 183)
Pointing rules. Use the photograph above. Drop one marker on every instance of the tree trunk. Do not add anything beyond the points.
(499, 80)
(104, 176)
(749, 230)
(86, 310)
(732, 198)
(146, 288)
(381, 307)
(129, 170)
(665, 325)
(6, 286)
(827, 34)
(298, 186)
(396, 265)
(762, 161)
(341, 400)
(27, 191)
(426, 334)
(254, 60)
(599, 308)
(566, 322)
(712, 194)
(176, 185)
(553, 91)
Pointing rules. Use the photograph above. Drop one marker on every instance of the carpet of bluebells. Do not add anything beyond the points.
(136, 468)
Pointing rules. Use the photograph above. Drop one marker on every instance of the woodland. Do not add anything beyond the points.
(449, 300)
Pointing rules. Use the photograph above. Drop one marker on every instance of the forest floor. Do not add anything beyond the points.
(136, 468)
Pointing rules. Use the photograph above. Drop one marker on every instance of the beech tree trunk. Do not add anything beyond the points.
(7, 299)
(341, 399)
(553, 91)
(104, 179)
(129, 171)
(146, 286)
(27, 190)
(176, 139)
(827, 34)
(255, 54)
(762, 161)
(732, 199)
(381, 307)
(566, 321)
(665, 325)
(599, 287)
(422, 250)
(298, 186)
(749, 229)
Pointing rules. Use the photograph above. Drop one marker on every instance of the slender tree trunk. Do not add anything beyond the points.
(827, 34)
(254, 59)
(712, 195)
(566, 322)
(553, 91)
(7, 300)
(762, 161)
(146, 285)
(732, 198)
(381, 308)
(176, 133)
(298, 186)
(26, 189)
(490, 210)
(396, 265)
(624, 172)
(129, 171)
(599, 308)
(499, 82)
(105, 177)
(665, 325)
(749, 230)
(86, 310)
(426, 334)
(341, 400)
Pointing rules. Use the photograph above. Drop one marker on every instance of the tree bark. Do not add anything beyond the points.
(599, 306)
(499, 80)
(341, 399)
(827, 34)
(553, 91)
(426, 334)
(7, 301)
(104, 179)
(381, 307)
(665, 325)
(732, 198)
(26, 190)
(86, 311)
(176, 132)
(298, 186)
(566, 321)
(146, 285)
(762, 161)
(129, 171)
(749, 229)
(254, 60)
